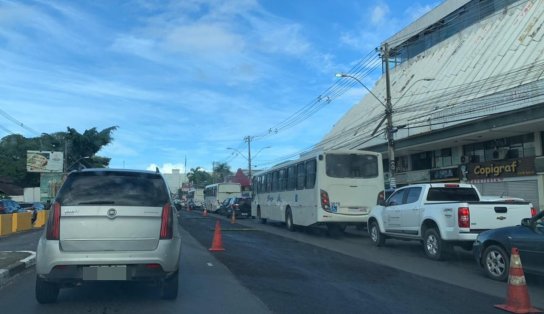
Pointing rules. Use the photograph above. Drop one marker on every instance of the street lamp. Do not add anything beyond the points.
(389, 131)
(77, 161)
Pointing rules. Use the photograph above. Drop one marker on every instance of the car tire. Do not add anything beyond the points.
(46, 292)
(169, 288)
(435, 248)
(289, 220)
(261, 220)
(376, 236)
(496, 263)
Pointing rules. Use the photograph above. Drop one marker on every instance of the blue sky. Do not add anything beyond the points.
(187, 78)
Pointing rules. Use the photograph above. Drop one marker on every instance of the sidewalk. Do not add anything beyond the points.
(14, 262)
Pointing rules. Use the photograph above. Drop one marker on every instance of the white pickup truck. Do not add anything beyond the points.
(442, 215)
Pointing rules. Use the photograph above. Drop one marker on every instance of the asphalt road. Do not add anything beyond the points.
(291, 276)
(266, 268)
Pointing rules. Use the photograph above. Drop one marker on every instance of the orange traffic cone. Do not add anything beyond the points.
(233, 218)
(517, 296)
(217, 243)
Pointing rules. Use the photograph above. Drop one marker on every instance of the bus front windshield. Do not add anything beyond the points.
(351, 166)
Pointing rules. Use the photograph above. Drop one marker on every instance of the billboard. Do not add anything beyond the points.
(43, 161)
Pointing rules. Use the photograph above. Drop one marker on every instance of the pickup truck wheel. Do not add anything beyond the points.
(496, 263)
(377, 238)
(435, 248)
(169, 288)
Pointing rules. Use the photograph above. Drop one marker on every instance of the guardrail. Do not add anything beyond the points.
(11, 223)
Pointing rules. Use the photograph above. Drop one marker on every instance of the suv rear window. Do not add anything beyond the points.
(119, 188)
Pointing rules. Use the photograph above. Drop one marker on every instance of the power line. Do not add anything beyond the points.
(19, 123)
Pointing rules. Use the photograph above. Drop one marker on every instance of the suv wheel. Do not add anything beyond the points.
(169, 289)
(496, 263)
(46, 292)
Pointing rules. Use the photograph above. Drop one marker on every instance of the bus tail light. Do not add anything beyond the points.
(53, 223)
(166, 222)
(463, 216)
(534, 212)
(325, 203)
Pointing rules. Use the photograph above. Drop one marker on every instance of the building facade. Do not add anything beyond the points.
(467, 93)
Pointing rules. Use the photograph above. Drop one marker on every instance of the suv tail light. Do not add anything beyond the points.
(166, 222)
(463, 216)
(325, 203)
(534, 212)
(53, 223)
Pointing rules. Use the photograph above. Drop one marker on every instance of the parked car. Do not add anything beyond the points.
(240, 205)
(492, 248)
(109, 224)
(8, 206)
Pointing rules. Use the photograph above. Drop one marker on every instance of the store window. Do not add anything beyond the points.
(421, 161)
(442, 158)
(501, 149)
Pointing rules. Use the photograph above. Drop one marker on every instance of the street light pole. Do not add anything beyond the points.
(248, 140)
(389, 117)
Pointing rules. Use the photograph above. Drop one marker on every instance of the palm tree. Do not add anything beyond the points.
(221, 171)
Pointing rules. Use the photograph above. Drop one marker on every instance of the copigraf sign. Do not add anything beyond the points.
(502, 168)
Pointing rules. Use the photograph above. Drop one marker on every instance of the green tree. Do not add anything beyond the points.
(221, 171)
(13, 151)
(199, 177)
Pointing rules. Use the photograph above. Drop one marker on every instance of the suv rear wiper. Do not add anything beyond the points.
(97, 203)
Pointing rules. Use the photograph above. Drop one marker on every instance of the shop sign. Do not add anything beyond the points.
(502, 168)
(447, 174)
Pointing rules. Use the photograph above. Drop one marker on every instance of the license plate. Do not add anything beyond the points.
(105, 273)
(362, 210)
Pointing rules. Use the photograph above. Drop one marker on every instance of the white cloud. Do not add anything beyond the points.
(167, 167)
(379, 14)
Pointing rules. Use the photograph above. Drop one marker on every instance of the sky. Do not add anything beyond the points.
(186, 81)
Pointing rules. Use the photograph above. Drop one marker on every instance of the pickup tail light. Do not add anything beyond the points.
(534, 211)
(166, 222)
(53, 223)
(463, 215)
(325, 203)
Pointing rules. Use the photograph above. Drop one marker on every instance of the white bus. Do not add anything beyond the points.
(215, 194)
(335, 188)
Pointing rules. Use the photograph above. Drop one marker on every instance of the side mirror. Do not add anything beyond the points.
(382, 203)
(526, 222)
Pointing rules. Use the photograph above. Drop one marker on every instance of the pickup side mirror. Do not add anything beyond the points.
(382, 203)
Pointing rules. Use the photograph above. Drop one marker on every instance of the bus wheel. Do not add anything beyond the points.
(261, 220)
(289, 220)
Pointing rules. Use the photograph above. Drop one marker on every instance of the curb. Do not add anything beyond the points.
(14, 269)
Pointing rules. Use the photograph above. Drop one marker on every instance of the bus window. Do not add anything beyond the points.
(310, 174)
(301, 176)
(282, 180)
(275, 181)
(291, 178)
(268, 182)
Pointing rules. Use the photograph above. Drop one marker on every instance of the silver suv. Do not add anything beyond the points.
(109, 225)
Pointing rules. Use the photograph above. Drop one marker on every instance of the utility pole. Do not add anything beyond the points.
(248, 139)
(389, 116)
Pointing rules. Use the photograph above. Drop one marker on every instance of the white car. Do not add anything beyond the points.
(109, 225)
